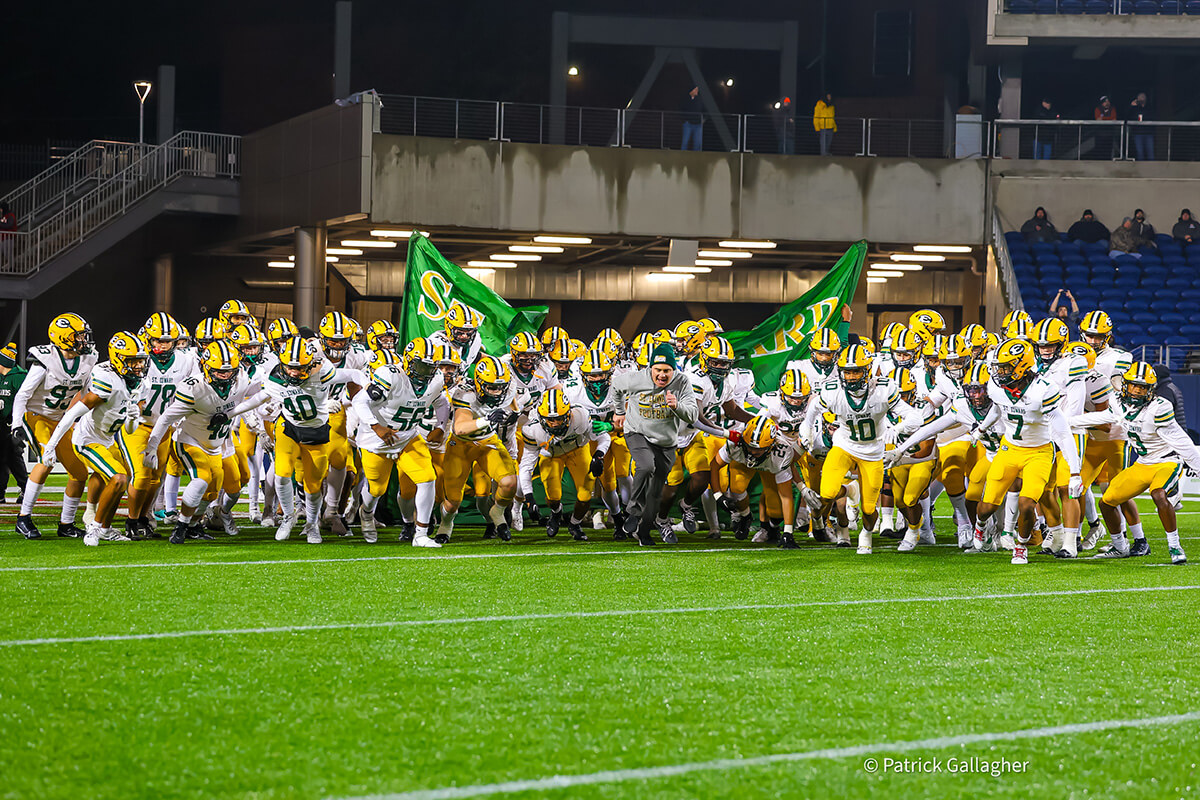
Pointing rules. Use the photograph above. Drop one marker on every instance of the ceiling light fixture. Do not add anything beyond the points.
(343, 251)
(534, 248)
(397, 234)
(724, 254)
(281, 264)
(876, 280)
(748, 245)
(480, 273)
(903, 267)
(515, 257)
(688, 270)
(493, 264)
(915, 257)
(942, 248)
(713, 262)
(366, 243)
(883, 273)
(546, 239)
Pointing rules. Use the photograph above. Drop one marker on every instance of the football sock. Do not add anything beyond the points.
(69, 507)
(959, 501)
(1089, 507)
(335, 480)
(194, 492)
(369, 502)
(496, 514)
(926, 516)
(407, 507)
(230, 501)
(312, 507)
(710, 510)
(1173, 539)
(1011, 508)
(482, 504)
(447, 525)
(32, 490)
(423, 504)
(887, 516)
(1119, 541)
(286, 494)
(1136, 531)
(171, 493)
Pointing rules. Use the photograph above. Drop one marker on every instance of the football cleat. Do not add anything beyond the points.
(113, 535)
(576, 532)
(864, 543)
(1064, 553)
(408, 531)
(228, 522)
(1140, 547)
(644, 539)
(131, 530)
(425, 541)
(788, 542)
(891, 533)
(909, 542)
(179, 534)
(1020, 554)
(629, 524)
(26, 528)
(553, 522)
(760, 537)
(927, 537)
(689, 517)
(1177, 555)
(147, 528)
(1007, 541)
(197, 531)
(1090, 541)
(489, 532)
(618, 523)
(820, 534)
(312, 532)
(667, 532)
(286, 523)
(69, 530)
(1108, 551)
(441, 538)
(503, 533)
(92, 537)
(741, 526)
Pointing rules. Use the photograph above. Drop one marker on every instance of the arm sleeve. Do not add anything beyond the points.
(1061, 432)
(37, 374)
(250, 403)
(1092, 419)
(344, 375)
(76, 412)
(1181, 443)
(175, 412)
(910, 418)
(362, 407)
(702, 424)
(928, 431)
(529, 460)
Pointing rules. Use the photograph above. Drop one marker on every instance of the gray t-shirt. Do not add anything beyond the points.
(645, 406)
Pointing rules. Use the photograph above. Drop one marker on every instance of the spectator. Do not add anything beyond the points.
(1088, 230)
(690, 111)
(1039, 228)
(1186, 230)
(1069, 316)
(1144, 229)
(12, 461)
(1143, 137)
(785, 125)
(8, 225)
(824, 123)
(1124, 240)
(1043, 138)
(1106, 142)
(1165, 387)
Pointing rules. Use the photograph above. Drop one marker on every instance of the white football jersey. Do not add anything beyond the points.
(1153, 431)
(1112, 362)
(403, 409)
(306, 405)
(64, 378)
(579, 433)
(531, 387)
(162, 380)
(862, 423)
(706, 399)
(201, 402)
(815, 374)
(464, 396)
(777, 461)
(1024, 417)
(469, 353)
(102, 423)
(789, 419)
(599, 408)
(257, 374)
(968, 418)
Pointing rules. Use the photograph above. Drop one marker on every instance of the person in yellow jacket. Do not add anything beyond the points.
(824, 123)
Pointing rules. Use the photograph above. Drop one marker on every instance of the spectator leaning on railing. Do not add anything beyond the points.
(1043, 138)
(1088, 230)
(1186, 230)
(824, 123)
(1143, 138)
(1106, 142)
(1039, 228)
(1125, 241)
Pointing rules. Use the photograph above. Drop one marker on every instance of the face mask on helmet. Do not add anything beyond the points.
(932, 362)
(556, 426)
(1047, 353)
(386, 341)
(904, 358)
(221, 378)
(1136, 394)
(680, 346)
(977, 396)
(450, 374)
(493, 393)
(296, 375)
(563, 368)
(597, 381)
(526, 362)
(161, 348)
(1097, 341)
(335, 348)
(462, 336)
(83, 341)
(252, 352)
(236, 319)
(824, 359)
(956, 366)
(136, 366)
(854, 379)
(1003, 373)
(420, 372)
(797, 404)
(718, 367)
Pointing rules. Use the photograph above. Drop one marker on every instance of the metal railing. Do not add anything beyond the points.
(1096, 140)
(87, 166)
(187, 153)
(1184, 357)
(1098, 7)
(1006, 275)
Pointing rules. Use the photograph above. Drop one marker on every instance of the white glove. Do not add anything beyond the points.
(810, 498)
(891, 457)
(1075, 487)
(49, 457)
(150, 459)
(133, 417)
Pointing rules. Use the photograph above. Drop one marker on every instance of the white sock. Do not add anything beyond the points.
(1089, 507)
(91, 507)
(1173, 540)
(32, 490)
(710, 510)
(423, 504)
(171, 493)
(926, 516)
(496, 514)
(407, 507)
(286, 494)
(1119, 541)
(194, 492)
(1071, 542)
(335, 479)
(1136, 532)
(447, 525)
(69, 507)
(887, 515)
(369, 502)
(1011, 509)
(483, 504)
(312, 507)
(959, 501)
(230, 502)
(935, 491)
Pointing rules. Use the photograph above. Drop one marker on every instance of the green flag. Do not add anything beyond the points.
(783, 336)
(432, 283)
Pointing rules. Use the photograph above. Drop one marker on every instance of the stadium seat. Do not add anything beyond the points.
(1086, 298)
(1162, 306)
(1174, 260)
(1070, 7)
(1041, 247)
(1144, 296)
(1191, 332)
(1045, 7)
(1151, 259)
(1126, 283)
(1095, 248)
(1166, 294)
(1121, 262)
(1161, 330)
(1073, 258)
(1142, 6)
(1173, 318)
(1191, 294)
(1103, 270)
(1020, 6)
(1145, 319)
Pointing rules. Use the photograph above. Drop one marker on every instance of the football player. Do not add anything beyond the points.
(823, 347)
(461, 333)
(279, 331)
(911, 468)
(337, 334)
(595, 396)
(756, 450)
(233, 313)
(382, 335)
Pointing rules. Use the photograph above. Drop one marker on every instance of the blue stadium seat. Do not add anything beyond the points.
(1191, 332)
(1086, 298)
(1191, 294)
(1179, 284)
(1161, 330)
(1158, 274)
(1142, 6)
(1174, 260)
(1126, 261)
(1103, 270)
(1189, 308)
(1025, 258)
(1169, 248)
(1047, 259)
(1159, 238)
(1121, 320)
(1140, 340)
(1166, 294)
(1173, 319)
(1151, 258)
(1096, 248)
(1041, 247)
(1163, 306)
(1073, 258)
(1141, 295)
(1191, 7)
(1171, 7)
(1145, 318)
(1098, 7)
(1070, 7)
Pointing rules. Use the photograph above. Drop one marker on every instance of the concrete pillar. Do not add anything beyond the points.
(164, 283)
(1010, 107)
(308, 303)
(165, 88)
(972, 297)
(341, 50)
(560, 27)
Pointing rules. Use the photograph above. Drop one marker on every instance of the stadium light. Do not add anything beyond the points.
(688, 270)
(573, 71)
(904, 267)
(535, 248)
(142, 90)
(366, 243)
(563, 239)
(331, 259)
(915, 257)
(397, 234)
(669, 276)
(942, 248)
(281, 264)
(724, 254)
(883, 273)
(876, 280)
(747, 245)
(493, 264)
(729, 83)
(343, 251)
(713, 262)
(515, 257)
(479, 273)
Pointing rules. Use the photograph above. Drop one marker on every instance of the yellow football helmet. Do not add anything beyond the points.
(710, 325)
(382, 335)
(297, 359)
(794, 389)
(1081, 349)
(357, 333)
(1050, 336)
(492, 377)
(419, 362)
(1016, 313)
(854, 367)
(926, 323)
(1097, 330)
(526, 352)
(128, 357)
(824, 346)
(576, 348)
(906, 348)
(279, 331)
(1014, 362)
(975, 386)
(249, 341)
(888, 336)
(385, 358)
(337, 331)
(661, 335)
(716, 357)
(69, 333)
(210, 330)
(219, 362)
(449, 362)
(969, 332)
(185, 337)
(234, 313)
(1138, 387)
(956, 356)
(554, 411)
(162, 334)
(931, 351)
(978, 340)
(867, 343)
(642, 357)
(610, 339)
(552, 335)
(688, 337)
(1018, 328)
(906, 384)
(759, 436)
(596, 370)
(993, 341)
(461, 323)
(829, 423)
(635, 344)
(562, 357)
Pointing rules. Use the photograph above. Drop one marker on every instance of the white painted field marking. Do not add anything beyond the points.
(722, 764)
(632, 612)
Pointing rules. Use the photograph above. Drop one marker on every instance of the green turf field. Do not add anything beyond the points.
(249, 668)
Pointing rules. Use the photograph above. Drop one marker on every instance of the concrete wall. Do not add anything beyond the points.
(1112, 189)
(1124, 29)
(523, 187)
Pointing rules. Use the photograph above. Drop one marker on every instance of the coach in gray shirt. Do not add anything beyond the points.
(653, 404)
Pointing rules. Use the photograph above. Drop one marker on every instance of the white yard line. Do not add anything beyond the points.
(554, 782)
(633, 612)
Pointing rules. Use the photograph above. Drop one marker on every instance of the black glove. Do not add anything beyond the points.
(597, 468)
(374, 392)
(218, 420)
(501, 418)
(18, 436)
(535, 515)
(728, 503)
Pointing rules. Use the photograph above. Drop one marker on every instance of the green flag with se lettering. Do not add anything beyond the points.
(432, 283)
(768, 347)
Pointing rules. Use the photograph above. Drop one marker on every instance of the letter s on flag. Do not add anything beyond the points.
(435, 296)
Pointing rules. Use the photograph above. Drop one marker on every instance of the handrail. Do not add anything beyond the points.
(188, 153)
(1007, 277)
(56, 184)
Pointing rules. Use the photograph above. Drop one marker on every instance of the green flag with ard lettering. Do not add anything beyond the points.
(432, 283)
(782, 337)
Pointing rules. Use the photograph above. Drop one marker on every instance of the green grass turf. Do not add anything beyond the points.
(346, 712)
